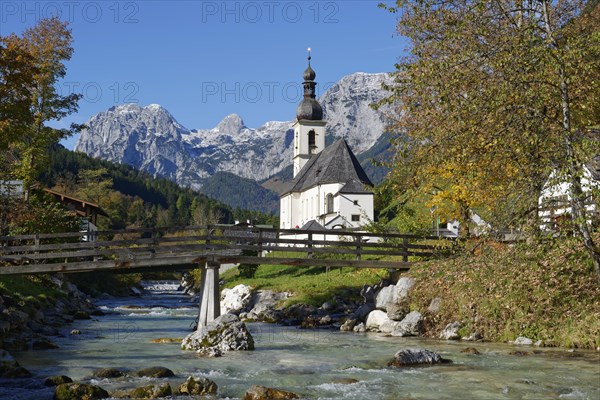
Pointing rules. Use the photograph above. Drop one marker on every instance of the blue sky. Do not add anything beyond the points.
(202, 60)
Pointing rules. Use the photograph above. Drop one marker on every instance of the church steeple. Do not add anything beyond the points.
(309, 108)
(309, 129)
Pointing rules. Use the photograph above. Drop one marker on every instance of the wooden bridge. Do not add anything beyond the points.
(207, 247)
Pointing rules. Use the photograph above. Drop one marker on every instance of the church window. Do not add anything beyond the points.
(355, 218)
(355, 202)
(312, 141)
(329, 203)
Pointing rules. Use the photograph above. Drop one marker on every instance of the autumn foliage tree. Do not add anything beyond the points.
(30, 68)
(493, 97)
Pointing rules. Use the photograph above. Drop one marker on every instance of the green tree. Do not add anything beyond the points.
(493, 97)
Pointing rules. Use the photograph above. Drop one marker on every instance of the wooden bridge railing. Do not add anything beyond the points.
(184, 247)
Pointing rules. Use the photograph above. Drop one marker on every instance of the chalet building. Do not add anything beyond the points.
(329, 189)
(554, 202)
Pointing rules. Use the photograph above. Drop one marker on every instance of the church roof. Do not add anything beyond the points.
(353, 187)
(335, 164)
(313, 225)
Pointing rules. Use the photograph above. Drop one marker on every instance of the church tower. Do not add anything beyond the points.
(309, 128)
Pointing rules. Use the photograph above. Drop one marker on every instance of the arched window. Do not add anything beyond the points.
(312, 141)
(329, 203)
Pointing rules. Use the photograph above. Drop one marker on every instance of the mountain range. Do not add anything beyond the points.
(150, 138)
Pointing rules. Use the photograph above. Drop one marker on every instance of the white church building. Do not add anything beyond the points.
(329, 189)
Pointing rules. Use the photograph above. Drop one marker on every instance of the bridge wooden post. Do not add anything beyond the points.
(210, 304)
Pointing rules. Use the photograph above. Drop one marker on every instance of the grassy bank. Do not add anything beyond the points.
(312, 285)
(547, 292)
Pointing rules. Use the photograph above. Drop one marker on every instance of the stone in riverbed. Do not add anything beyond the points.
(57, 380)
(225, 333)
(107, 373)
(470, 350)
(73, 391)
(264, 393)
(198, 386)
(348, 325)
(413, 357)
(522, 340)
(155, 372)
(151, 391)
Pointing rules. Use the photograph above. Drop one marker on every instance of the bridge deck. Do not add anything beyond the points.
(134, 250)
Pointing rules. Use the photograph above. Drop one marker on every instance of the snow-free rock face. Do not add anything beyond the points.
(150, 138)
(225, 333)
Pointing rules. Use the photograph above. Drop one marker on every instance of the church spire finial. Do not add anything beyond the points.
(309, 56)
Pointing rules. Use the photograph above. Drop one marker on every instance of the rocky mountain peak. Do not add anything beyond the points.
(151, 139)
(231, 125)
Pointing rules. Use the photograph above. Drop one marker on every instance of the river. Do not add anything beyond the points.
(312, 363)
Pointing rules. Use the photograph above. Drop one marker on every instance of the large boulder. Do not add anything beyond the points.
(403, 287)
(397, 311)
(76, 391)
(225, 333)
(10, 368)
(384, 297)
(411, 357)
(264, 393)
(411, 325)
(375, 320)
(234, 300)
(199, 386)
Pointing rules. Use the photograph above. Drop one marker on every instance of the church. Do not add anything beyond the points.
(330, 189)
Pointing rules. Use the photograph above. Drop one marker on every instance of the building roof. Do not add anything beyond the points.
(81, 207)
(313, 225)
(335, 164)
(353, 187)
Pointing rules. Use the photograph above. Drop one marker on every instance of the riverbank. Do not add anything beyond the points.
(547, 293)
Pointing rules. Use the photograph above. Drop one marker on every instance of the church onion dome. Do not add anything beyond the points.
(309, 109)
(309, 74)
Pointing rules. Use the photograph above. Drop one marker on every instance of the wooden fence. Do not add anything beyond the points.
(132, 250)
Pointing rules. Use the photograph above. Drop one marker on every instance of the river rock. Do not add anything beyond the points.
(263, 306)
(209, 352)
(411, 357)
(368, 293)
(360, 328)
(264, 393)
(522, 340)
(225, 333)
(72, 391)
(107, 373)
(42, 344)
(155, 372)
(411, 325)
(235, 300)
(375, 319)
(470, 350)
(363, 311)
(384, 297)
(10, 368)
(198, 386)
(450, 332)
(403, 287)
(348, 325)
(397, 311)
(57, 380)
(152, 391)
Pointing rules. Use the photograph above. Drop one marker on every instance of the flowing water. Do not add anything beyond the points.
(312, 363)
